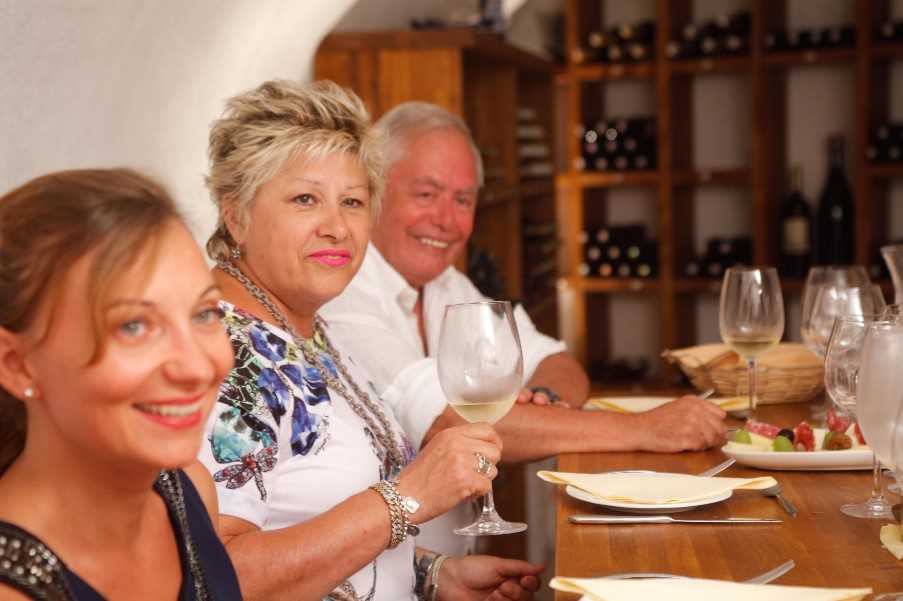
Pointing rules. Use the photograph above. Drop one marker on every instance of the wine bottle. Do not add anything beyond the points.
(835, 210)
(796, 228)
(776, 41)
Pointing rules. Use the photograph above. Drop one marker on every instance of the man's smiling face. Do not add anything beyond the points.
(429, 205)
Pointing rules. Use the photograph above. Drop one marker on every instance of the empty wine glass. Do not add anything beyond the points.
(751, 316)
(842, 363)
(481, 371)
(842, 276)
(879, 388)
(833, 301)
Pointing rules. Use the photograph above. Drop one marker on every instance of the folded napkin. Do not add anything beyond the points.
(656, 488)
(892, 539)
(638, 404)
(693, 589)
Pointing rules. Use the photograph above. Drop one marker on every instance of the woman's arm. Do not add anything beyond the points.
(203, 483)
(307, 560)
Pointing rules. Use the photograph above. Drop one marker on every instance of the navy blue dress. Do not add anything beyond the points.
(39, 580)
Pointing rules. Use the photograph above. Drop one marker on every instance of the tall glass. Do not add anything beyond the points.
(481, 371)
(842, 364)
(751, 317)
(879, 390)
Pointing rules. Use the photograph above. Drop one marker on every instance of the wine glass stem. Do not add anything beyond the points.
(876, 479)
(488, 503)
(751, 363)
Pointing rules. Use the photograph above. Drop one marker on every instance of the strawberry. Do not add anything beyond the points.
(804, 437)
(837, 423)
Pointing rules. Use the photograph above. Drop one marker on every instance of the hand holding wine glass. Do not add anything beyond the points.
(751, 317)
(481, 372)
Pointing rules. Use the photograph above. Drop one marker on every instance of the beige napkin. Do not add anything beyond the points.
(693, 589)
(655, 488)
(892, 539)
(638, 404)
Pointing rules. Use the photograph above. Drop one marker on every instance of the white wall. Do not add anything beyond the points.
(136, 83)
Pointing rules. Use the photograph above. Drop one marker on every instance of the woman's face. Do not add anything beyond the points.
(307, 230)
(144, 402)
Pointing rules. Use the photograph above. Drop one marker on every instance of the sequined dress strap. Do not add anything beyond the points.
(29, 566)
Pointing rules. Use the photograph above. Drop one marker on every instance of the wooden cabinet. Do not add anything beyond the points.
(584, 301)
(489, 83)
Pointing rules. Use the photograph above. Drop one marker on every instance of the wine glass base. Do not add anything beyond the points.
(492, 525)
(873, 509)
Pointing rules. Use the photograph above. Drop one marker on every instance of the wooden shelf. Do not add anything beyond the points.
(890, 51)
(703, 66)
(811, 57)
(888, 171)
(589, 179)
(618, 285)
(723, 177)
(541, 186)
(697, 285)
(495, 195)
(599, 72)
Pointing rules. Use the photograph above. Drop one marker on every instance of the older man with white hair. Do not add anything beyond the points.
(390, 315)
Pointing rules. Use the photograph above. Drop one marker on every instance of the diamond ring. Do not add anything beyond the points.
(484, 466)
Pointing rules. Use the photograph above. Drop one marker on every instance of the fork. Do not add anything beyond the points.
(763, 578)
(717, 469)
(775, 491)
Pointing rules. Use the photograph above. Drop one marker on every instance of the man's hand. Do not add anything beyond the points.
(537, 397)
(484, 577)
(685, 424)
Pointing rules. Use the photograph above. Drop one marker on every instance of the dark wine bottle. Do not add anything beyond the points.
(835, 210)
(796, 228)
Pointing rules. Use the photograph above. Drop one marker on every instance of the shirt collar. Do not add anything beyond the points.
(393, 282)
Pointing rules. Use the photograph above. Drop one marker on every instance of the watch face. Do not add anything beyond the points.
(410, 505)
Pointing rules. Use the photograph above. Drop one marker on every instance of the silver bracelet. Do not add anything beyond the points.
(432, 580)
(399, 517)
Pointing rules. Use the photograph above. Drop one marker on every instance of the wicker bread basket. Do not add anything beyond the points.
(787, 373)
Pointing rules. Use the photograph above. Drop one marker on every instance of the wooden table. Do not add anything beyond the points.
(829, 548)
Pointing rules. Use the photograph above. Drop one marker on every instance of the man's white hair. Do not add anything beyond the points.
(407, 119)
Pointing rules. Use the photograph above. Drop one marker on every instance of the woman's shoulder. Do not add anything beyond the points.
(29, 566)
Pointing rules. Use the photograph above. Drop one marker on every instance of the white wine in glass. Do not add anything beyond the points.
(481, 371)
(751, 316)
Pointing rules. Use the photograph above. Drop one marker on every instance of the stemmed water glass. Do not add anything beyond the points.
(842, 364)
(751, 316)
(481, 372)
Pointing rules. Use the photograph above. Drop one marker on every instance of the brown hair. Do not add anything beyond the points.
(48, 224)
(278, 120)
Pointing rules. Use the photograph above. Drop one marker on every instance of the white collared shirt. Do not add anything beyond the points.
(374, 321)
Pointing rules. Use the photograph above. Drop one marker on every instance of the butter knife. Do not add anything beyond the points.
(664, 519)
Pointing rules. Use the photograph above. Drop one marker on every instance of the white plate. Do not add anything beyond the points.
(817, 461)
(626, 507)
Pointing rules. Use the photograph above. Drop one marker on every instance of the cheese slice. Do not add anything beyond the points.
(892, 539)
(656, 488)
(692, 589)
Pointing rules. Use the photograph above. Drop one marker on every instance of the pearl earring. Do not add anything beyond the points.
(29, 392)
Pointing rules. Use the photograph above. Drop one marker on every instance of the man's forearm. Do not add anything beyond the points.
(530, 432)
(562, 374)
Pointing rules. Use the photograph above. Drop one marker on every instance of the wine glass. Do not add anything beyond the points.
(481, 371)
(833, 301)
(879, 389)
(751, 317)
(842, 363)
(842, 276)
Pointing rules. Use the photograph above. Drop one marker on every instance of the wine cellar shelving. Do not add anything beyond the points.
(585, 300)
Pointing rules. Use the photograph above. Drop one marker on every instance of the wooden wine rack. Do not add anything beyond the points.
(674, 179)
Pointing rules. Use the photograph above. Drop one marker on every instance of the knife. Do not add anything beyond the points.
(664, 519)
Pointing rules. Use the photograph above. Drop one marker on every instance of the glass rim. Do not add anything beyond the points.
(749, 268)
(482, 302)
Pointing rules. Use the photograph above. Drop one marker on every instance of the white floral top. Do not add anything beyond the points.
(283, 448)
